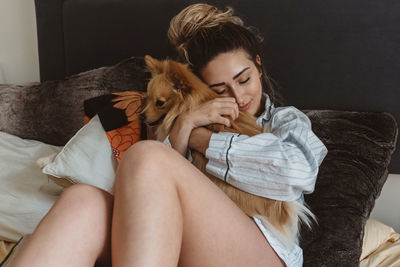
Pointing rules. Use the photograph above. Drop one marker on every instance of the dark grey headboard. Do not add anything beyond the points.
(331, 54)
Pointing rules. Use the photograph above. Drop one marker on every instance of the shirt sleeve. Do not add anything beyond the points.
(282, 164)
(167, 142)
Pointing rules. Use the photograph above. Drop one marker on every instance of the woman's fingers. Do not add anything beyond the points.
(215, 111)
(229, 111)
(223, 120)
(226, 99)
(223, 107)
(229, 108)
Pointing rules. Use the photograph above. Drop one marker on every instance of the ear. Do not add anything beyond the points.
(258, 60)
(259, 66)
(154, 66)
(180, 76)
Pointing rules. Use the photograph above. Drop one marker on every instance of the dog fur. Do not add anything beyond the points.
(174, 89)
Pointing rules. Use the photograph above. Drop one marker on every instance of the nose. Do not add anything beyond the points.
(142, 117)
(238, 94)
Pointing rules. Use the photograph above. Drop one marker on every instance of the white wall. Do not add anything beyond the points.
(19, 61)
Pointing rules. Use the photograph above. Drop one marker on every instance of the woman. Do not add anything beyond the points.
(164, 211)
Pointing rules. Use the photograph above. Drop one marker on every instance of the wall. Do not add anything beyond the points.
(19, 61)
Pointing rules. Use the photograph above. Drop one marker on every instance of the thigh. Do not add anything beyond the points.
(215, 231)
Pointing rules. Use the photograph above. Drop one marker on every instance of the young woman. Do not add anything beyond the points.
(164, 211)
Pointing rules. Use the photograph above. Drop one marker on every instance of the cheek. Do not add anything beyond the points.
(256, 93)
(256, 90)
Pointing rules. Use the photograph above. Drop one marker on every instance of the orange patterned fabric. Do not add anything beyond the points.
(131, 102)
(87, 119)
(119, 115)
(122, 138)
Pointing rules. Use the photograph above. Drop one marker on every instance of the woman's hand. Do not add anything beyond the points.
(214, 111)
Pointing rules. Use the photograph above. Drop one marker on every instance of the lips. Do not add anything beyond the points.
(245, 107)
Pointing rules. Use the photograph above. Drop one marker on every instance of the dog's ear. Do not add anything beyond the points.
(154, 66)
(180, 76)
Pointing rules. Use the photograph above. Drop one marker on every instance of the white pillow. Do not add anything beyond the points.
(26, 194)
(86, 158)
(376, 233)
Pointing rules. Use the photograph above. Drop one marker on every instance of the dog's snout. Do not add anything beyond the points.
(142, 117)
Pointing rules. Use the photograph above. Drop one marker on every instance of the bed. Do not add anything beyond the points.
(335, 60)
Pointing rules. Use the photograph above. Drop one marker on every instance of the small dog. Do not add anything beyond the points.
(174, 89)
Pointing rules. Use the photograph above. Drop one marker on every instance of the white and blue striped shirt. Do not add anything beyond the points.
(282, 164)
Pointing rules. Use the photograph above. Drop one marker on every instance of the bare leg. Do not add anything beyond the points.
(75, 232)
(167, 213)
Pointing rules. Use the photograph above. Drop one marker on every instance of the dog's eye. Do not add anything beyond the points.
(159, 103)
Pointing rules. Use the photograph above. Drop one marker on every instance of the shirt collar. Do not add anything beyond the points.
(267, 114)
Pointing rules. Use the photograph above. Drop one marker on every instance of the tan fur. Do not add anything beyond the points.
(174, 89)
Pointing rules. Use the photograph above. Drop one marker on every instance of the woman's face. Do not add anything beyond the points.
(235, 74)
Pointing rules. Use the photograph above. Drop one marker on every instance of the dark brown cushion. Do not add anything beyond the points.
(52, 111)
(350, 179)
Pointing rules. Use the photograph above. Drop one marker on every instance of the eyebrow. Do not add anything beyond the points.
(234, 77)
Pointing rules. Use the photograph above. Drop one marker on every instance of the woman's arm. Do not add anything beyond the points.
(179, 135)
(199, 139)
(214, 111)
(280, 165)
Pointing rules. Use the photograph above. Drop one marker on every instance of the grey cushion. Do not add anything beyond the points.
(52, 111)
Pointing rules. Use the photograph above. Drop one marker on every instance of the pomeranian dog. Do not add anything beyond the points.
(174, 89)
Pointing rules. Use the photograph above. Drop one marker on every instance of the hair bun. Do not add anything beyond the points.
(194, 18)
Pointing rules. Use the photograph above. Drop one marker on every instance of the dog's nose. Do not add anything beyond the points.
(142, 117)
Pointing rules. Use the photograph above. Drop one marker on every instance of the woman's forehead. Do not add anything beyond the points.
(226, 66)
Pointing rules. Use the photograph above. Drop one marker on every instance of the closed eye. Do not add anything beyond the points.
(245, 81)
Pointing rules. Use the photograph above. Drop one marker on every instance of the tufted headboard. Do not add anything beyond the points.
(332, 54)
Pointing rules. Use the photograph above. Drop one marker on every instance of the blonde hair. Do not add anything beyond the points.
(192, 19)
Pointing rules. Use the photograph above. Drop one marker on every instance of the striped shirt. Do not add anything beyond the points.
(282, 164)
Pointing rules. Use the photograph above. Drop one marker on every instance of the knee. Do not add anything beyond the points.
(144, 160)
(83, 200)
(145, 153)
